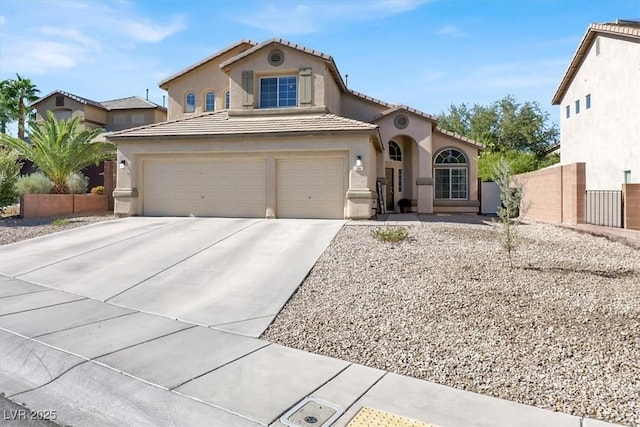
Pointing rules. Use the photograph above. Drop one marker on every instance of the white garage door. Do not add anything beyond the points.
(225, 187)
(311, 188)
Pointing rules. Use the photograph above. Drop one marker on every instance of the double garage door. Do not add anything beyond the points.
(232, 187)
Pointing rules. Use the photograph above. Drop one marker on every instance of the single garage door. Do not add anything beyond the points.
(221, 187)
(311, 188)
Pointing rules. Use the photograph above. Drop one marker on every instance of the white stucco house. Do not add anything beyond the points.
(599, 99)
(271, 130)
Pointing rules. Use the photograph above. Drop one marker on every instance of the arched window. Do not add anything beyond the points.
(209, 101)
(227, 101)
(190, 102)
(394, 151)
(451, 172)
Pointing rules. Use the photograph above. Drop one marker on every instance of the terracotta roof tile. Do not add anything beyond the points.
(460, 137)
(80, 99)
(132, 102)
(402, 107)
(220, 124)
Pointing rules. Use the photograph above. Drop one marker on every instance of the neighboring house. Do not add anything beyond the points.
(114, 115)
(271, 130)
(599, 99)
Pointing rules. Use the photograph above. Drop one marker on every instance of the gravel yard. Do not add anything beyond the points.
(14, 229)
(559, 331)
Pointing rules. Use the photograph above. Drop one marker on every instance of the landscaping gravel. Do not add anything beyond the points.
(561, 330)
(14, 229)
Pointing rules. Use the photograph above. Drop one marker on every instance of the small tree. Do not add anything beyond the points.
(59, 149)
(511, 211)
(9, 172)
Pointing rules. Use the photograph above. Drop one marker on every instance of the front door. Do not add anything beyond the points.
(388, 173)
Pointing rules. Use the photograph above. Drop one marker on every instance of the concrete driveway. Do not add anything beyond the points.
(230, 274)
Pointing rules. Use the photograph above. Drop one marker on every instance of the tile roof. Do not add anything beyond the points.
(131, 102)
(323, 56)
(85, 101)
(460, 137)
(630, 29)
(220, 124)
(205, 60)
(402, 107)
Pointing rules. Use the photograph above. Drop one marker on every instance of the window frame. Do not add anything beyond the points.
(396, 155)
(577, 106)
(262, 101)
(587, 101)
(567, 110)
(227, 100)
(189, 107)
(206, 101)
(452, 166)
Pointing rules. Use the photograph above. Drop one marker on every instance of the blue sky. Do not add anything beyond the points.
(426, 54)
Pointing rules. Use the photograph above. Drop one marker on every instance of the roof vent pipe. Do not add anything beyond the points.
(346, 80)
(163, 101)
(147, 94)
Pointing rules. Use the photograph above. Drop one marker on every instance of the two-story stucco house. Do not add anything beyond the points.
(271, 130)
(599, 99)
(114, 115)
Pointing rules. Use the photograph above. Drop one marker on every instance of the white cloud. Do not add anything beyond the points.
(451, 30)
(3, 20)
(39, 57)
(72, 35)
(150, 32)
(312, 17)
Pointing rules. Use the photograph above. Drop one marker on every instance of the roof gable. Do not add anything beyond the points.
(401, 107)
(333, 69)
(80, 99)
(242, 43)
(626, 29)
(130, 103)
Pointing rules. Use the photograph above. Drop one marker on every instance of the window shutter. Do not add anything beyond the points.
(306, 86)
(247, 88)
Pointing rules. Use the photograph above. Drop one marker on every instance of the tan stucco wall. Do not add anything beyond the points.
(75, 108)
(200, 80)
(151, 115)
(555, 194)
(135, 153)
(358, 108)
(605, 136)
(324, 87)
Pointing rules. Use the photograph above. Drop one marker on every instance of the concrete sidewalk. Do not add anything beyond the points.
(97, 364)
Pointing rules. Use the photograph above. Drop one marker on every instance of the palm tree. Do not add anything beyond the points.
(59, 149)
(25, 92)
(7, 110)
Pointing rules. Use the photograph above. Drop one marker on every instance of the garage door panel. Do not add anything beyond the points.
(219, 187)
(311, 188)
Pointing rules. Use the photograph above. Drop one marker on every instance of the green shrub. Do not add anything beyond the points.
(60, 222)
(390, 234)
(36, 183)
(9, 173)
(78, 183)
(98, 190)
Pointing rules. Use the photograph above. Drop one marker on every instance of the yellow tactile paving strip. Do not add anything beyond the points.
(369, 417)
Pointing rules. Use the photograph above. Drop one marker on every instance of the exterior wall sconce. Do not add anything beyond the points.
(358, 166)
(123, 163)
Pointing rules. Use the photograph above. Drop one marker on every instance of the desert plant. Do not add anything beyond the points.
(511, 212)
(98, 190)
(36, 183)
(9, 173)
(60, 222)
(78, 183)
(59, 149)
(390, 234)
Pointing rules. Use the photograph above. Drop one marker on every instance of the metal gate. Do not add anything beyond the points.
(604, 207)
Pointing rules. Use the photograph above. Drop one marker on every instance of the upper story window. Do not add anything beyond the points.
(567, 110)
(278, 92)
(588, 101)
(137, 119)
(59, 100)
(190, 102)
(578, 106)
(120, 119)
(227, 100)
(209, 101)
(394, 151)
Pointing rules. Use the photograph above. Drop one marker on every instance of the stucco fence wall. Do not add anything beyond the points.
(555, 194)
(40, 205)
(558, 195)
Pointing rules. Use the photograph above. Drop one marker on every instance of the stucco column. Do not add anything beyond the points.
(359, 196)
(424, 181)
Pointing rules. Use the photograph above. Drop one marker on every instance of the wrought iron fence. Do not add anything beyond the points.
(604, 207)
